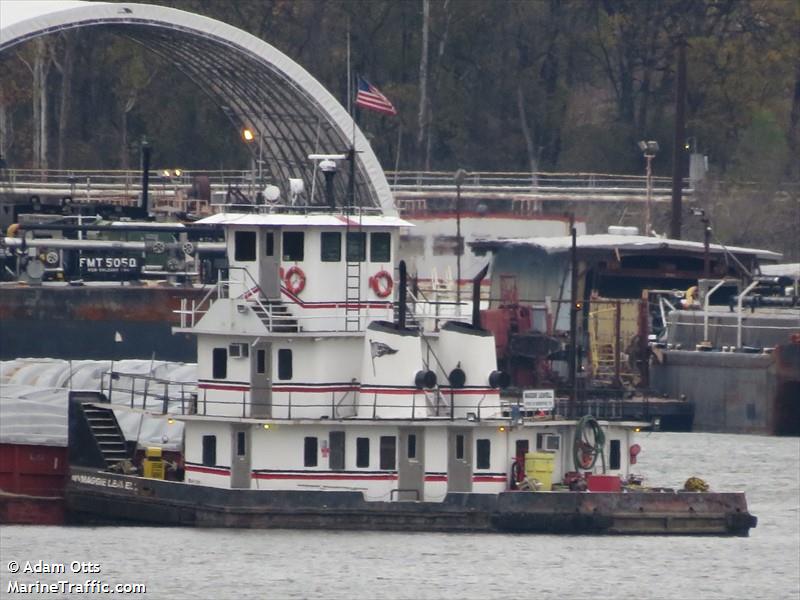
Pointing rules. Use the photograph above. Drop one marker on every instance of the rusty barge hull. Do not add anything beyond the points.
(80, 322)
(97, 497)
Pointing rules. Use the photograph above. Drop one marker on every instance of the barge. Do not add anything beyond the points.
(323, 403)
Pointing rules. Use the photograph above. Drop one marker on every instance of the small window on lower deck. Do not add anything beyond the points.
(209, 450)
(362, 452)
(460, 446)
(241, 443)
(388, 450)
(310, 452)
(614, 455)
(284, 364)
(484, 453)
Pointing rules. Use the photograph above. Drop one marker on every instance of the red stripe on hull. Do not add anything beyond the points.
(229, 388)
(207, 470)
(324, 477)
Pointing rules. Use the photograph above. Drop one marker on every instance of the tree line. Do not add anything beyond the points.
(539, 85)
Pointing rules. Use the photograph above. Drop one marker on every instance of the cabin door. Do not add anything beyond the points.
(240, 456)
(459, 460)
(411, 464)
(269, 264)
(261, 380)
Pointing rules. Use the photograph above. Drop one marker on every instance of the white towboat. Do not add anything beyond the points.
(317, 406)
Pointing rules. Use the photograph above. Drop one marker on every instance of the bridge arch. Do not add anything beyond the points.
(256, 85)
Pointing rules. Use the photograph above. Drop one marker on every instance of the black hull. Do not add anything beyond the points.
(96, 497)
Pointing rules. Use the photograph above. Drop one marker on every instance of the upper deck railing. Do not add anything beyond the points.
(195, 191)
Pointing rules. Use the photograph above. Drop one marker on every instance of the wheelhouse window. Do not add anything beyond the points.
(483, 448)
(293, 245)
(244, 243)
(336, 441)
(356, 246)
(388, 452)
(219, 363)
(380, 247)
(362, 452)
(310, 452)
(209, 450)
(331, 246)
(284, 364)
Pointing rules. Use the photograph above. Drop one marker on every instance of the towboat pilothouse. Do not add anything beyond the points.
(323, 400)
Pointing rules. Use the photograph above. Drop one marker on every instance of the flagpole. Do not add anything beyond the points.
(349, 76)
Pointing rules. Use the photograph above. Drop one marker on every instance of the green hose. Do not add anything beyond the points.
(583, 450)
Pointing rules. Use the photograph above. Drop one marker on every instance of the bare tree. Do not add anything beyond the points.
(422, 121)
(65, 68)
(42, 61)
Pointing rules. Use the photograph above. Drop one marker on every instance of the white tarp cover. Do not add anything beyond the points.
(33, 415)
(24, 379)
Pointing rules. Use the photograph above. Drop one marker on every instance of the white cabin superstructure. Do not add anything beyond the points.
(307, 381)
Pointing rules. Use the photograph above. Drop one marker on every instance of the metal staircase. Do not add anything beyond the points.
(105, 429)
(352, 310)
(275, 316)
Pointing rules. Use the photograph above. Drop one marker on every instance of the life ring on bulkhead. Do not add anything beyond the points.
(382, 284)
(295, 280)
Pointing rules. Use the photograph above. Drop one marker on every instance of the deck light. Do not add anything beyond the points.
(501, 429)
(266, 425)
(248, 135)
(170, 421)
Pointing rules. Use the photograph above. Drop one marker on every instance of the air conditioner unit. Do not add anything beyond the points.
(239, 350)
(552, 442)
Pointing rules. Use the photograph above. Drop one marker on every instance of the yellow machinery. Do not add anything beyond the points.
(153, 466)
(539, 467)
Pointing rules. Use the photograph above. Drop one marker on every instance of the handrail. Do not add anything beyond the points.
(739, 312)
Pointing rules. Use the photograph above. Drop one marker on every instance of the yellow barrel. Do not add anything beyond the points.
(539, 466)
(153, 466)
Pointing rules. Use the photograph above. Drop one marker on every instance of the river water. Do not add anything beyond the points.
(233, 564)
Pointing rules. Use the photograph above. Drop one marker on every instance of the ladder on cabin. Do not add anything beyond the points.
(352, 310)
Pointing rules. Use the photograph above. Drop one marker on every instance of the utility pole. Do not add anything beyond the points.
(575, 306)
(678, 142)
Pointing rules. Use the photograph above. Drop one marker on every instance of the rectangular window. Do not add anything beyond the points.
(241, 445)
(356, 246)
(614, 457)
(209, 450)
(310, 452)
(284, 364)
(362, 452)
(447, 245)
(261, 361)
(388, 450)
(244, 246)
(331, 246)
(412, 446)
(219, 363)
(380, 247)
(460, 447)
(336, 442)
(293, 245)
(270, 245)
(484, 448)
(414, 245)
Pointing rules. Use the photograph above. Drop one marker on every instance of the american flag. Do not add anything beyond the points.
(370, 97)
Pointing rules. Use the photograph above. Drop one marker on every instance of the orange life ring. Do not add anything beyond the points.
(382, 284)
(295, 280)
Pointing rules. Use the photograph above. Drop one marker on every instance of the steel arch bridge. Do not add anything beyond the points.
(256, 85)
